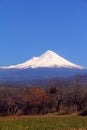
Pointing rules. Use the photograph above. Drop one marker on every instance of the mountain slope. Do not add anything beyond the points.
(47, 60)
(48, 65)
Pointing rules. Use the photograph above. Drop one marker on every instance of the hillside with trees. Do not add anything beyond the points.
(59, 95)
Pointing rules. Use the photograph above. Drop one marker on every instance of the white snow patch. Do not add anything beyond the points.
(49, 59)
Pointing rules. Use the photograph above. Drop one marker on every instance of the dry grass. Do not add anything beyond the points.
(47, 122)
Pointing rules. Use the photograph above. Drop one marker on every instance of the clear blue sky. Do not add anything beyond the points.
(30, 27)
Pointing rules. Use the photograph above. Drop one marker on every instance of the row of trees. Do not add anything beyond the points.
(58, 96)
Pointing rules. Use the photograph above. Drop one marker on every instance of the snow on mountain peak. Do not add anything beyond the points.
(49, 54)
(48, 60)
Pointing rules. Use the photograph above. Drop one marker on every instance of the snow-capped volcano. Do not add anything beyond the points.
(47, 60)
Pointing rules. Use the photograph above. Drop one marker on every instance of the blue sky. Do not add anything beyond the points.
(30, 27)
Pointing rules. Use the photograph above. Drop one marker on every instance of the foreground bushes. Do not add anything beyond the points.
(61, 96)
(83, 112)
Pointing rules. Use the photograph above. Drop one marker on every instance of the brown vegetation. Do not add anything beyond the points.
(66, 97)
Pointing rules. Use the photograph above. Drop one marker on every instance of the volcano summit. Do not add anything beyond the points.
(47, 60)
(48, 65)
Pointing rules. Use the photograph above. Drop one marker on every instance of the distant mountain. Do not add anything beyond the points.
(48, 65)
(47, 60)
